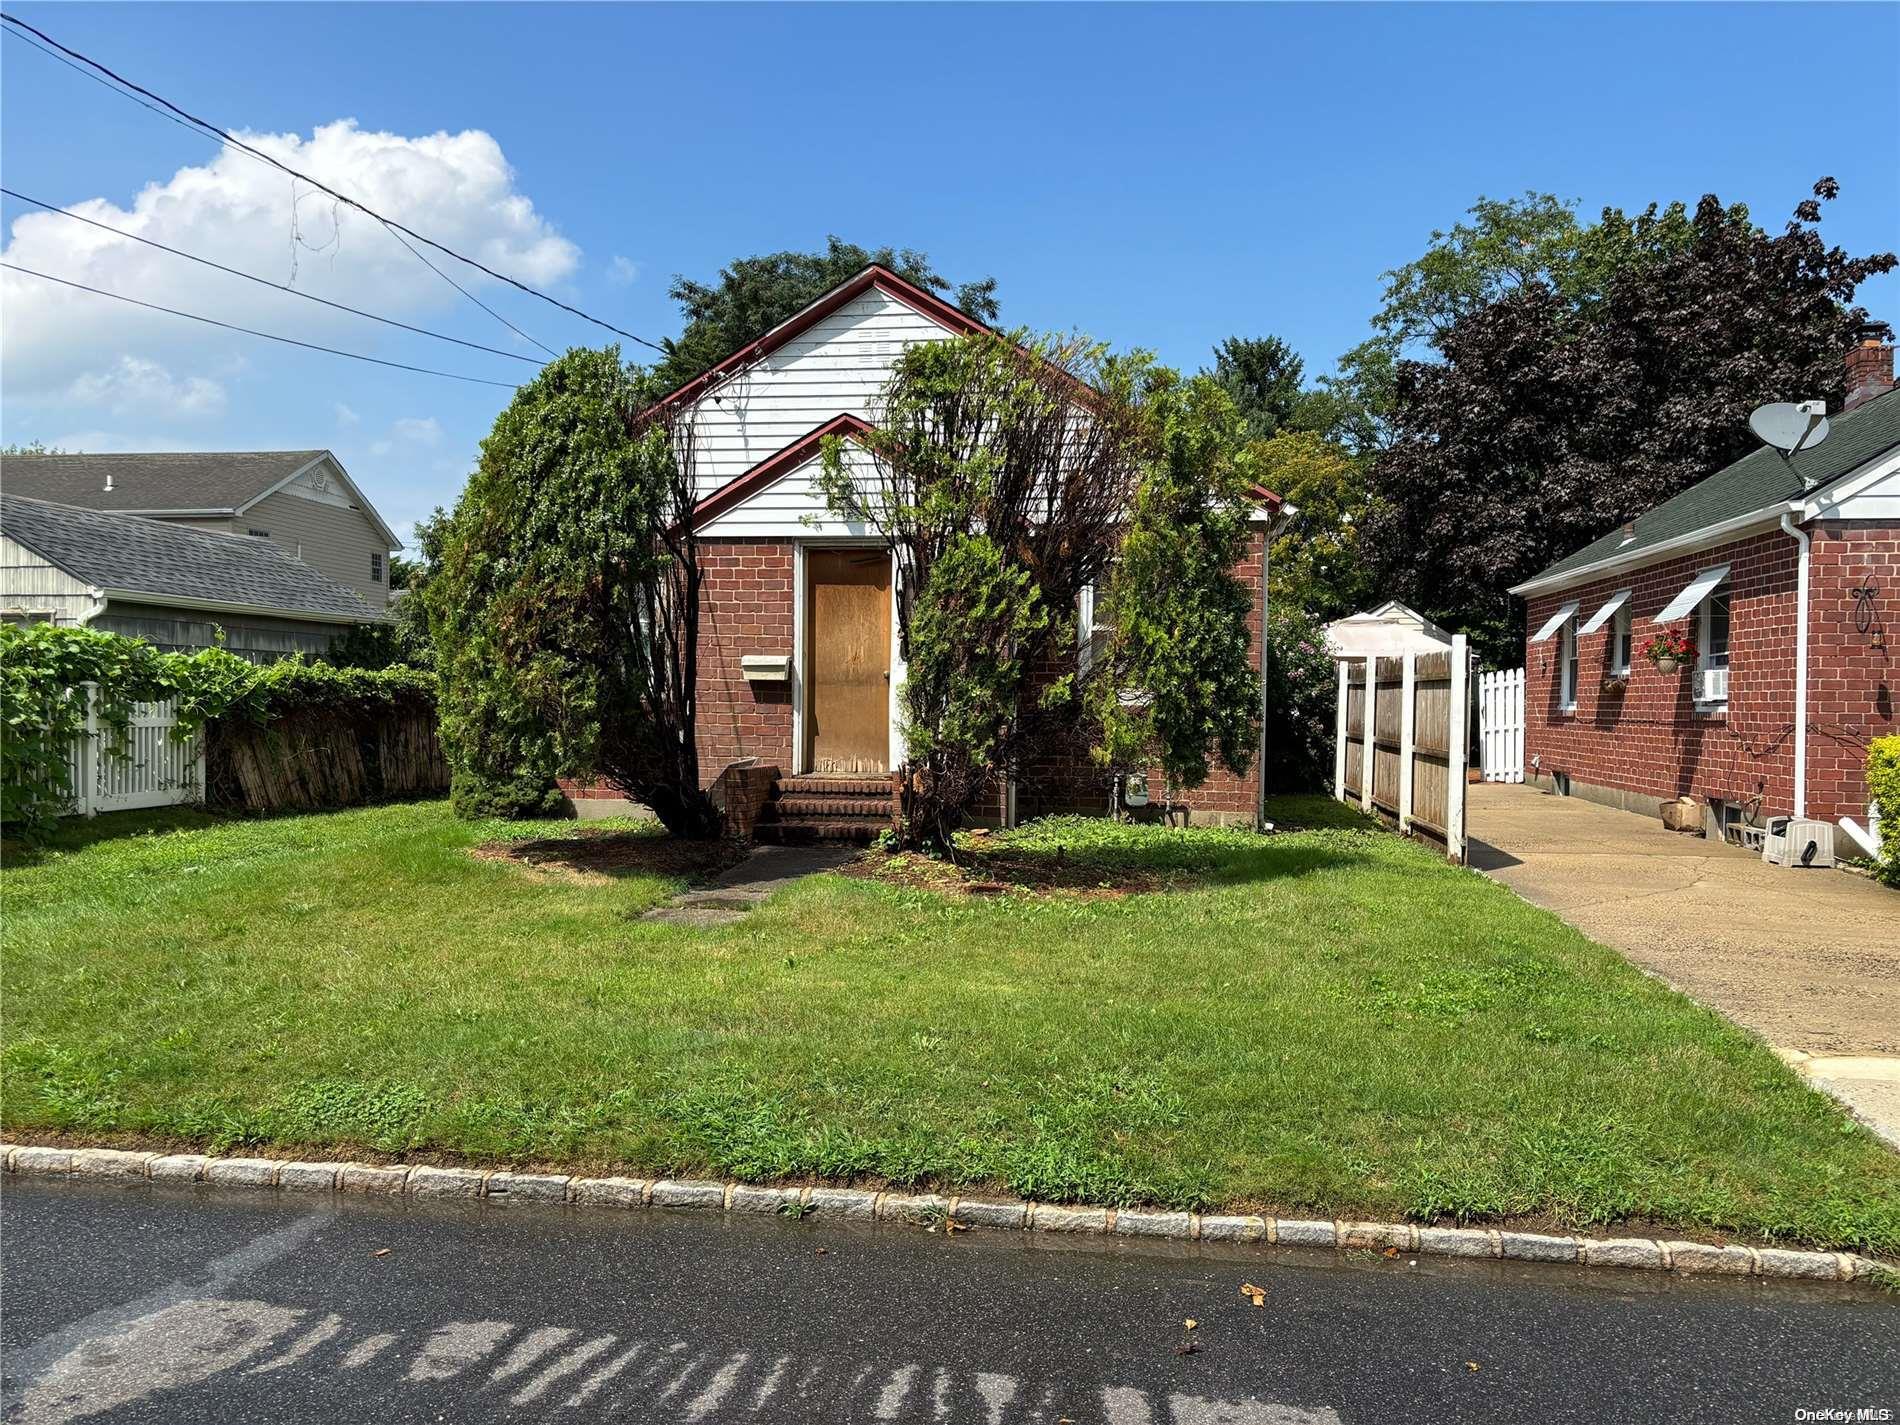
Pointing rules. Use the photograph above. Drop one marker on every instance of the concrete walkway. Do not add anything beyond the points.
(731, 894)
(1810, 960)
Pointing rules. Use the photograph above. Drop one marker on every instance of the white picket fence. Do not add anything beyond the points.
(1501, 725)
(152, 769)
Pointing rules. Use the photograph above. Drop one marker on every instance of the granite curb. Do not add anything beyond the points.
(501, 1186)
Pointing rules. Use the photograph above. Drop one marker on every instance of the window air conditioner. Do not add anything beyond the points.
(1711, 685)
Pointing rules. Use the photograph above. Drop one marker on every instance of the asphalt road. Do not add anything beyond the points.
(140, 1303)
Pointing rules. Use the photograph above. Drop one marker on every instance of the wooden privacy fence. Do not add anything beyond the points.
(1400, 746)
(154, 768)
(1501, 725)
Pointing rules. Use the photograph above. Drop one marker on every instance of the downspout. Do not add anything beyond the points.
(1794, 531)
(1273, 526)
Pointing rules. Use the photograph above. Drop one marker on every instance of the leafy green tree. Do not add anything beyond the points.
(755, 294)
(1319, 566)
(1179, 689)
(1006, 477)
(1301, 702)
(1548, 421)
(1261, 376)
(566, 602)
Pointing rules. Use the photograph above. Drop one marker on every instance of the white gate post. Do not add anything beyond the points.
(1339, 739)
(1408, 715)
(1457, 756)
(1369, 722)
(1517, 724)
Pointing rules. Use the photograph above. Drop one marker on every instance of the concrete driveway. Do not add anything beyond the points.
(1810, 960)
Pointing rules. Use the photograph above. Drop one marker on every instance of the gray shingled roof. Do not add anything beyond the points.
(1757, 482)
(194, 480)
(165, 562)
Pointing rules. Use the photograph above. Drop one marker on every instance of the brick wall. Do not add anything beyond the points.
(747, 603)
(745, 607)
(1651, 740)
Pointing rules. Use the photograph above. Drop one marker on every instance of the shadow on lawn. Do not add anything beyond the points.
(78, 833)
(998, 866)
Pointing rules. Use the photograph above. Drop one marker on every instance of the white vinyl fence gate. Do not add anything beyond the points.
(155, 769)
(1501, 725)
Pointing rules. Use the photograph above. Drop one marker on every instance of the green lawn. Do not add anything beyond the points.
(1327, 1021)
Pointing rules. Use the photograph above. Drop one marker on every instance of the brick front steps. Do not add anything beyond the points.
(802, 810)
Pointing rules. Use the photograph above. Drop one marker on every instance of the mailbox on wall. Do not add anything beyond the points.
(766, 667)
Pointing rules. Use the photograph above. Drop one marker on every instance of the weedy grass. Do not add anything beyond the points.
(1325, 1022)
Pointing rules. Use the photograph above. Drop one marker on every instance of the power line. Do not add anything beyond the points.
(391, 223)
(265, 281)
(250, 331)
(470, 295)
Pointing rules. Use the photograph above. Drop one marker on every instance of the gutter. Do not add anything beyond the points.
(1795, 532)
(1648, 554)
(1276, 525)
(172, 601)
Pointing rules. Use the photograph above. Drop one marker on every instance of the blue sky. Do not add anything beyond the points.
(1161, 177)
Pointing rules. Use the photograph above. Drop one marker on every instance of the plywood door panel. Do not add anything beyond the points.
(847, 686)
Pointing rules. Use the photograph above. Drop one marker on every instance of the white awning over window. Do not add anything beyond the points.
(1695, 593)
(1556, 622)
(1607, 612)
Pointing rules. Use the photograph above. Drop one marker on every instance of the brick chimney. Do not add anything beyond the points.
(1869, 365)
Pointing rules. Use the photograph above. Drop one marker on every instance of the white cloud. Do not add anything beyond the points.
(425, 431)
(623, 271)
(457, 188)
(137, 386)
(345, 416)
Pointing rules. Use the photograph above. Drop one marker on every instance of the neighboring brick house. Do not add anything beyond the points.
(799, 662)
(1756, 724)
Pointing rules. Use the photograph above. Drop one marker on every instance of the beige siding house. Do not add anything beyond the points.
(301, 501)
(178, 587)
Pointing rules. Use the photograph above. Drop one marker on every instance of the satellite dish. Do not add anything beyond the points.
(1790, 425)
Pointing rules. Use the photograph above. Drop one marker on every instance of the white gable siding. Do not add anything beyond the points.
(838, 366)
(31, 584)
(793, 506)
(1872, 494)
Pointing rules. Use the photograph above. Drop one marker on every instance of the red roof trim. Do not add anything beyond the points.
(741, 488)
(1265, 498)
(882, 278)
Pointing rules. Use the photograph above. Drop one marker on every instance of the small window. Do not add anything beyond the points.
(1711, 690)
(1567, 673)
(258, 533)
(1620, 643)
(376, 566)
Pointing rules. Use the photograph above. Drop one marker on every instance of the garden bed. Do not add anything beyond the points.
(608, 852)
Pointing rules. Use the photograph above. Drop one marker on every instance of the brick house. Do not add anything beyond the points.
(1784, 569)
(799, 659)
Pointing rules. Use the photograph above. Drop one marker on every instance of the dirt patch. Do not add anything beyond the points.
(607, 855)
(1000, 871)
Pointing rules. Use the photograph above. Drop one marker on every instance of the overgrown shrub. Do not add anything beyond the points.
(43, 709)
(1302, 702)
(1883, 785)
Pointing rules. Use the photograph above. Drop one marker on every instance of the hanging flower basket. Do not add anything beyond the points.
(1670, 650)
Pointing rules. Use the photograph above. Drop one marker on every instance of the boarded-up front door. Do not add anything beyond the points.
(847, 683)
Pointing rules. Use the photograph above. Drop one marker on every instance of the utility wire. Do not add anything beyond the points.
(391, 223)
(266, 282)
(471, 296)
(249, 331)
